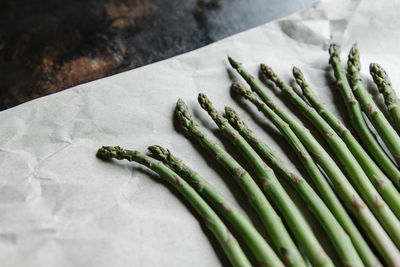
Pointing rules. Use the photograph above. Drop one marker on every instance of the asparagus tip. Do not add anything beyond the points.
(159, 152)
(183, 114)
(233, 63)
(379, 74)
(239, 89)
(231, 114)
(204, 102)
(299, 77)
(269, 73)
(107, 152)
(296, 71)
(334, 50)
(353, 62)
(234, 118)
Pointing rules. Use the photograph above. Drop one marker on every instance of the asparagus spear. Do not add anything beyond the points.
(373, 199)
(353, 168)
(356, 116)
(382, 183)
(256, 243)
(382, 80)
(353, 201)
(317, 206)
(378, 120)
(227, 241)
(271, 186)
(270, 219)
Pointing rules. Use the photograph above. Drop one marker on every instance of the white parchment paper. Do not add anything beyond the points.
(61, 206)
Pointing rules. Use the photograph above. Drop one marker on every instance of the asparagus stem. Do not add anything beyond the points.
(271, 186)
(227, 241)
(353, 201)
(382, 80)
(378, 120)
(357, 119)
(336, 212)
(270, 219)
(353, 168)
(383, 185)
(335, 232)
(253, 239)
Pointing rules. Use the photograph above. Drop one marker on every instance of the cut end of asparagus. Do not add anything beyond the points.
(234, 118)
(270, 74)
(108, 152)
(381, 78)
(234, 63)
(299, 77)
(353, 63)
(183, 114)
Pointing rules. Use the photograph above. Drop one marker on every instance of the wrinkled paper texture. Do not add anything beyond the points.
(61, 206)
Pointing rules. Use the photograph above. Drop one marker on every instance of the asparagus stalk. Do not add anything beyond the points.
(227, 241)
(334, 230)
(353, 168)
(353, 201)
(357, 119)
(355, 147)
(383, 185)
(271, 186)
(336, 214)
(378, 120)
(382, 80)
(253, 239)
(270, 219)
(372, 198)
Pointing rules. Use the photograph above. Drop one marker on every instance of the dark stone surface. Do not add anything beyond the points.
(49, 45)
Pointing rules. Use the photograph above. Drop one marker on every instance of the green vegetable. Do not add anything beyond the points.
(357, 119)
(382, 80)
(382, 184)
(271, 186)
(328, 218)
(257, 244)
(355, 172)
(212, 221)
(353, 201)
(378, 120)
(270, 219)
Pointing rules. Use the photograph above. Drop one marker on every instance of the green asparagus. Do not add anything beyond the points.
(382, 80)
(227, 241)
(270, 219)
(256, 243)
(382, 184)
(271, 186)
(353, 201)
(378, 120)
(328, 218)
(373, 199)
(355, 172)
(356, 116)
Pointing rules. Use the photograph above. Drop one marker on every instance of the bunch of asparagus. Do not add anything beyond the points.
(362, 188)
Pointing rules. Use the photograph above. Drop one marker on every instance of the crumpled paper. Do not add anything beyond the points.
(61, 206)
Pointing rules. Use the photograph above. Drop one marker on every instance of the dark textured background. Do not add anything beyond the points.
(49, 45)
